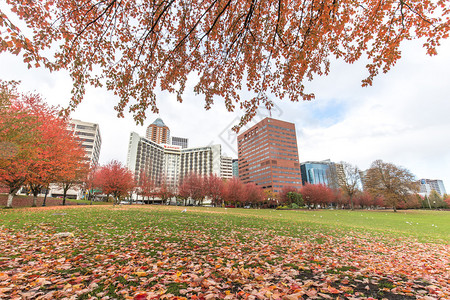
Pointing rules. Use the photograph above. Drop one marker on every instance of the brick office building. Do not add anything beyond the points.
(268, 155)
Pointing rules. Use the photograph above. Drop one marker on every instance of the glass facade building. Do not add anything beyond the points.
(315, 172)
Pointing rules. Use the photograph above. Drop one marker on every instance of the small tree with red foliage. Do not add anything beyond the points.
(193, 187)
(284, 195)
(115, 179)
(165, 192)
(233, 192)
(214, 186)
(316, 194)
(145, 186)
(253, 194)
(446, 199)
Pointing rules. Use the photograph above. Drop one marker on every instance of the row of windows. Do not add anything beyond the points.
(286, 150)
(84, 133)
(288, 142)
(247, 145)
(281, 153)
(284, 158)
(288, 177)
(86, 127)
(290, 173)
(282, 181)
(282, 128)
(260, 174)
(281, 136)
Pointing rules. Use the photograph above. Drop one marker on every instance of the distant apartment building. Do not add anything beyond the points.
(170, 163)
(268, 155)
(226, 167)
(235, 166)
(427, 185)
(158, 132)
(89, 135)
(179, 141)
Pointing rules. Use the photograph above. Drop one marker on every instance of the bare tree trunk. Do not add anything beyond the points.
(10, 200)
(45, 197)
(34, 200)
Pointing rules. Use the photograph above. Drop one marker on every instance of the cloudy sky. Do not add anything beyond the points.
(404, 118)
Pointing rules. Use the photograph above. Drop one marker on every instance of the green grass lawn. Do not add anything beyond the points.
(423, 225)
(155, 250)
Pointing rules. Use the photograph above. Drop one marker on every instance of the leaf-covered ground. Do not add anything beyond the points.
(161, 253)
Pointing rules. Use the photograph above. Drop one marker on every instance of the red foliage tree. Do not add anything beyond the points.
(115, 179)
(18, 136)
(283, 195)
(234, 192)
(214, 186)
(316, 194)
(193, 186)
(253, 195)
(75, 169)
(447, 199)
(364, 199)
(165, 192)
(41, 150)
(145, 186)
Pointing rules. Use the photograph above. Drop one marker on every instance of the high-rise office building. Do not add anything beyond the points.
(323, 172)
(315, 172)
(268, 155)
(158, 132)
(89, 135)
(427, 185)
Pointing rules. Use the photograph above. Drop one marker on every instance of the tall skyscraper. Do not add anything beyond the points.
(158, 132)
(268, 155)
(89, 135)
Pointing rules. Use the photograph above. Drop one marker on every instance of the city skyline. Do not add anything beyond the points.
(401, 119)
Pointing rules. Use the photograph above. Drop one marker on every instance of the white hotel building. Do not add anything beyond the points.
(170, 163)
